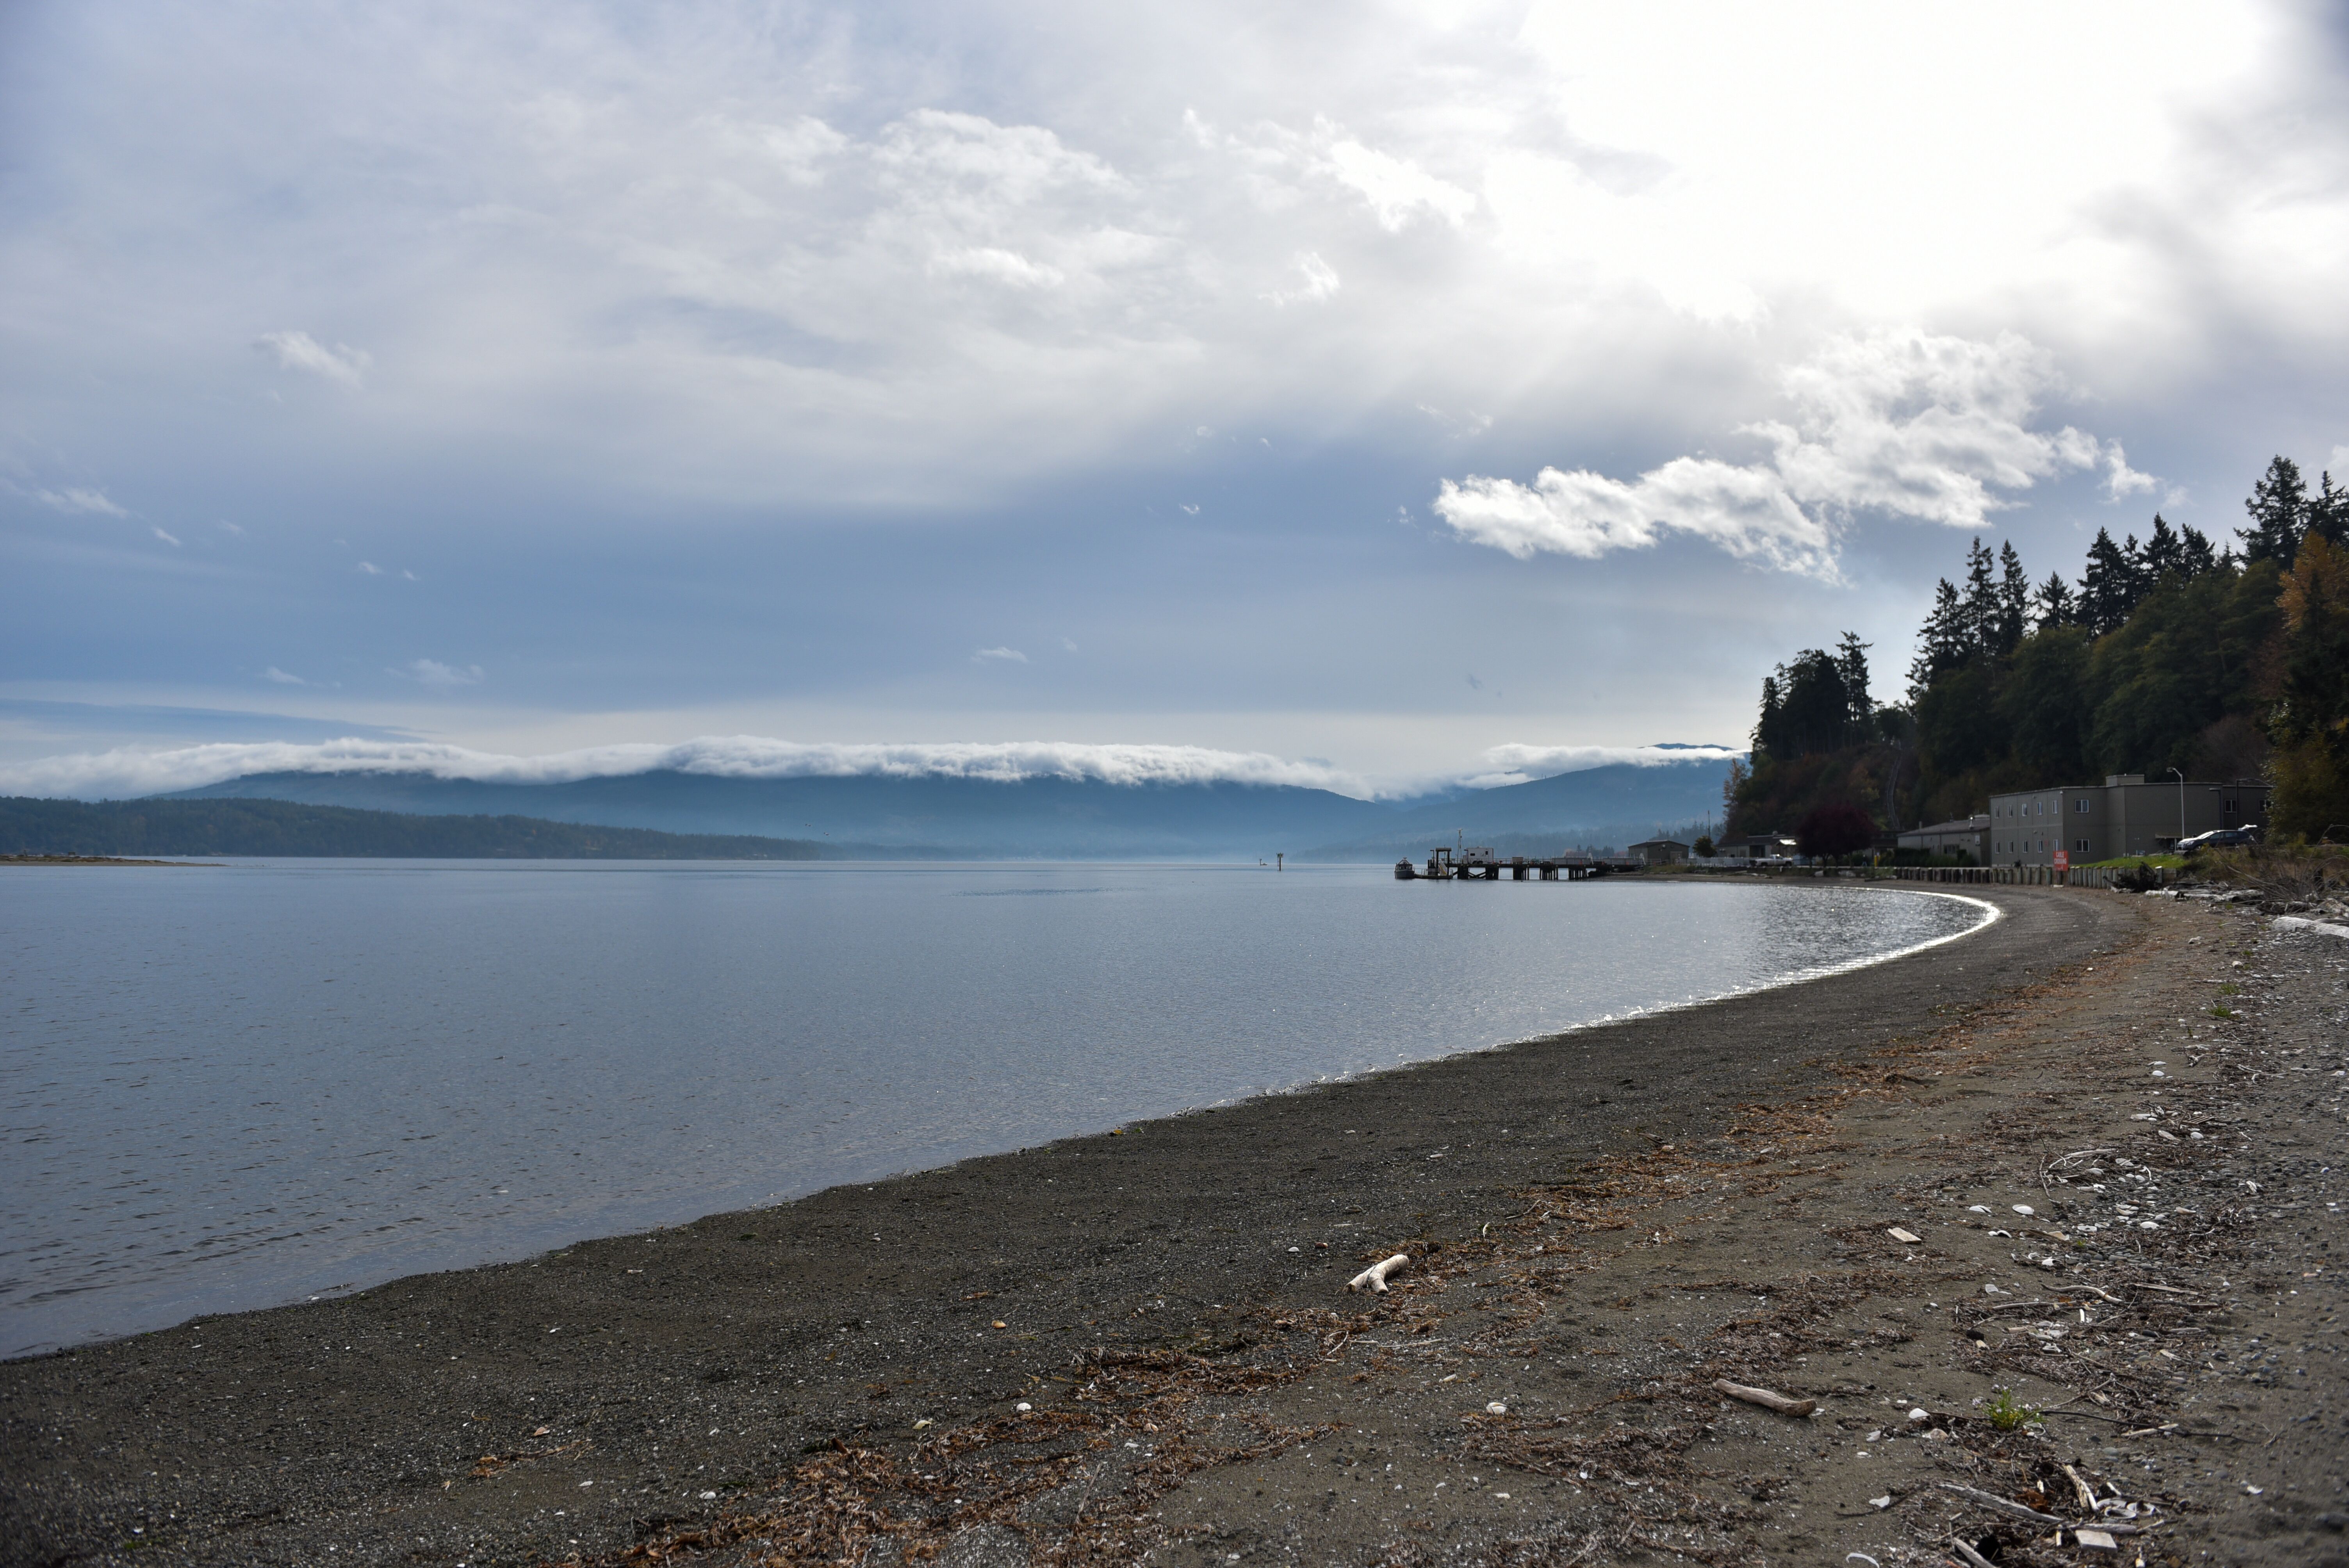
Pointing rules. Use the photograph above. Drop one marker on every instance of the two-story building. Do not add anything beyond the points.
(2123, 816)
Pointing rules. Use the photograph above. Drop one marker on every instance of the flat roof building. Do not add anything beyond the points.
(2123, 816)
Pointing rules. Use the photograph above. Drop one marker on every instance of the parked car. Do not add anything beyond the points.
(2220, 839)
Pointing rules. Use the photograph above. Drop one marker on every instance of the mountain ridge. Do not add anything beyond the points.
(1036, 818)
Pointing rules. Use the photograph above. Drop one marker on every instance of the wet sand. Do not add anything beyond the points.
(844, 1376)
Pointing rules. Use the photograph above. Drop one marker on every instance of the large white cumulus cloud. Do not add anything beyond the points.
(801, 252)
(1898, 423)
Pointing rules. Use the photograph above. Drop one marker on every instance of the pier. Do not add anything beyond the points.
(1484, 865)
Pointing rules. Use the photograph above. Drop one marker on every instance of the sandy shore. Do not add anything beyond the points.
(1138, 1346)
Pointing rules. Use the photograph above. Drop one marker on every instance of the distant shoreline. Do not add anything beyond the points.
(94, 861)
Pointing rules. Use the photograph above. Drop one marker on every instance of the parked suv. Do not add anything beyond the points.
(2220, 839)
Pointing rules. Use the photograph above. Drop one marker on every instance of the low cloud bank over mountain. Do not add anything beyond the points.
(1018, 800)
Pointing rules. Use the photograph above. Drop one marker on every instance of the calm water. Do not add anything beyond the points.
(231, 1088)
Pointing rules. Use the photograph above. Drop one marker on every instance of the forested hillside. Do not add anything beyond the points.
(2223, 663)
(291, 827)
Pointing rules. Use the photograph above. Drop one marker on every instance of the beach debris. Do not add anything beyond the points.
(1765, 1399)
(1884, 1501)
(1023, 1407)
(1375, 1276)
(1971, 1556)
(2096, 1540)
(1496, 1408)
(2024, 1209)
(1997, 1504)
(1909, 1238)
(2080, 1489)
(1920, 1413)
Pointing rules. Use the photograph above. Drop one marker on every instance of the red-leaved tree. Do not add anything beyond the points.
(1835, 829)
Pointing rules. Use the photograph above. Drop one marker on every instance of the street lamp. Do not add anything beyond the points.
(2181, 807)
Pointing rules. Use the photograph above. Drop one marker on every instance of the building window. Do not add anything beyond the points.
(2080, 805)
(2080, 845)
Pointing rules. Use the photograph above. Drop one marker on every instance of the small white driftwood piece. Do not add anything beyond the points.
(1375, 1276)
(1765, 1399)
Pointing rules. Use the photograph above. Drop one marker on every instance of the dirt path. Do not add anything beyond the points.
(1138, 1348)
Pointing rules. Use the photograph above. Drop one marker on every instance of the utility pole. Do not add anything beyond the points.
(2181, 807)
(1279, 861)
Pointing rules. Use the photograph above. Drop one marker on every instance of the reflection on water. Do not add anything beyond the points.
(236, 1087)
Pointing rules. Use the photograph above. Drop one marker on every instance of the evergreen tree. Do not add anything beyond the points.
(2164, 553)
(2194, 554)
(2057, 607)
(1859, 707)
(1768, 737)
(2328, 512)
(1979, 611)
(2139, 581)
(2013, 599)
(1941, 643)
(2104, 586)
(2278, 506)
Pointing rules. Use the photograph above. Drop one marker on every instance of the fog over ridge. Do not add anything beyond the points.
(127, 773)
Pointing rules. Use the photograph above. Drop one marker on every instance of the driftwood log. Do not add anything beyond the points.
(1375, 1276)
(1765, 1399)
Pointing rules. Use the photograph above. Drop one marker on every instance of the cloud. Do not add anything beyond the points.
(274, 674)
(166, 538)
(715, 256)
(444, 678)
(1397, 188)
(1321, 281)
(126, 772)
(1004, 656)
(2122, 481)
(78, 500)
(1069, 643)
(1520, 764)
(299, 351)
(1896, 423)
(998, 266)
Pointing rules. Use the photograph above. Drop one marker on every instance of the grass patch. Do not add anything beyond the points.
(2007, 1413)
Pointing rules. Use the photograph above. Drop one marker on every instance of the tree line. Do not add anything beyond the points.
(2224, 662)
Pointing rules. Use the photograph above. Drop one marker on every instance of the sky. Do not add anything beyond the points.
(1391, 394)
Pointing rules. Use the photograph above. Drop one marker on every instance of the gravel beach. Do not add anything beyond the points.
(2110, 1123)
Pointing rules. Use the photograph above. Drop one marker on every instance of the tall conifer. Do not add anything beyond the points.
(2104, 586)
(2055, 605)
(2278, 506)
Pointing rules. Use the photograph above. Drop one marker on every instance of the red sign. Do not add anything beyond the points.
(2064, 859)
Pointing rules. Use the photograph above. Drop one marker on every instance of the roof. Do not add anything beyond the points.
(1659, 844)
(1956, 825)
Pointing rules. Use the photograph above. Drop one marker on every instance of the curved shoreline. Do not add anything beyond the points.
(189, 1281)
(1159, 1235)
